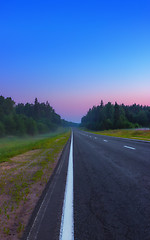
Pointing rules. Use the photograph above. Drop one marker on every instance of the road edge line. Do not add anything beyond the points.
(67, 219)
(42, 197)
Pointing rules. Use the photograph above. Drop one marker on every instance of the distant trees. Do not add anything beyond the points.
(116, 116)
(26, 118)
(69, 124)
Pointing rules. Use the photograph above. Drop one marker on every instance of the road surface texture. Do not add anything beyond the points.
(111, 191)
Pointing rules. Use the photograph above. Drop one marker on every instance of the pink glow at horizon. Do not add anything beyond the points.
(76, 107)
(72, 106)
(74, 56)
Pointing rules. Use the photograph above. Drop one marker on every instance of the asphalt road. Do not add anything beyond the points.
(111, 191)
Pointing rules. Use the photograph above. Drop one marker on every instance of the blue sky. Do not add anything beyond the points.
(75, 53)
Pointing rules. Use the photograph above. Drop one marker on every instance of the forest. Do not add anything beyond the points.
(114, 116)
(30, 119)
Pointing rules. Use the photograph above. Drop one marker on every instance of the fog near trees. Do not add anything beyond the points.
(114, 116)
(27, 118)
(38, 118)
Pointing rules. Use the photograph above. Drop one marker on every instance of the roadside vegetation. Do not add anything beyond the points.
(32, 137)
(28, 119)
(12, 145)
(114, 116)
(131, 133)
(23, 177)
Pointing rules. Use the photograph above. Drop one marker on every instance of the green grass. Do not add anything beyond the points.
(29, 175)
(12, 146)
(37, 175)
(131, 133)
(50, 146)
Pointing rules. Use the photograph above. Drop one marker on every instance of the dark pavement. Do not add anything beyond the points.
(111, 191)
(111, 188)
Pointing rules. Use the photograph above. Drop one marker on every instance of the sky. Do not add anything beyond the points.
(75, 53)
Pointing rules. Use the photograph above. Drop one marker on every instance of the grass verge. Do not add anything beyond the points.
(133, 134)
(12, 146)
(23, 178)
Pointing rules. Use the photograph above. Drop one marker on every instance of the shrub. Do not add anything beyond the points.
(42, 128)
(31, 126)
(2, 129)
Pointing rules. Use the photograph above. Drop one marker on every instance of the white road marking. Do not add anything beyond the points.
(105, 141)
(67, 221)
(129, 147)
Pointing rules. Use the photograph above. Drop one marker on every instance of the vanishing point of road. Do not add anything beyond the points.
(100, 191)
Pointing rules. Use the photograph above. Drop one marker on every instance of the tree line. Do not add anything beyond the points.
(114, 116)
(27, 118)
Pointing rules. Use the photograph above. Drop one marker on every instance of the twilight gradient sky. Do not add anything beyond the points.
(75, 53)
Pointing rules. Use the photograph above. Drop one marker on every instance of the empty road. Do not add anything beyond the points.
(111, 192)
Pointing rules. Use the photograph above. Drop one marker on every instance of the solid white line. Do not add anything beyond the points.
(129, 147)
(67, 222)
(105, 141)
